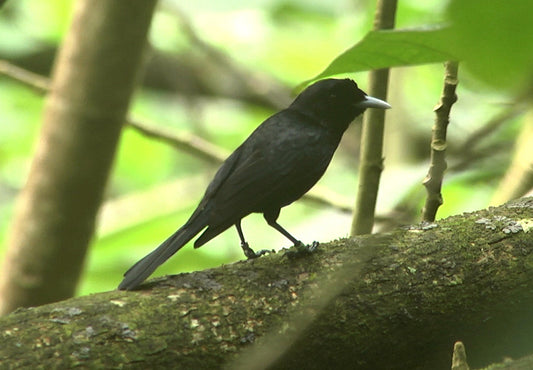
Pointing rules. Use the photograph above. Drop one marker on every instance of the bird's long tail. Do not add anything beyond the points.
(144, 268)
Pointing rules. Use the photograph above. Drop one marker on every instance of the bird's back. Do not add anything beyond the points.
(278, 163)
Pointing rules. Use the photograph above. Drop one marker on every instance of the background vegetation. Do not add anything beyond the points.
(280, 44)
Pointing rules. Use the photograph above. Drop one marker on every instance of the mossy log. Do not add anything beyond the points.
(395, 301)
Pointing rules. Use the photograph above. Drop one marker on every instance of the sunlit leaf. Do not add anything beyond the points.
(383, 49)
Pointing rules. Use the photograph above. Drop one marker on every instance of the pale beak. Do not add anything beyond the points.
(371, 102)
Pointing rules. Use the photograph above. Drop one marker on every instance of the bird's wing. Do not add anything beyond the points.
(220, 177)
(270, 171)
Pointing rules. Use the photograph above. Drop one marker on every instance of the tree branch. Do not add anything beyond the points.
(414, 292)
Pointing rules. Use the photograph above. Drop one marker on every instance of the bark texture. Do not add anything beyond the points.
(394, 301)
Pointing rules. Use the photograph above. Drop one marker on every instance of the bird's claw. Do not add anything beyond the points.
(250, 254)
(263, 251)
(302, 249)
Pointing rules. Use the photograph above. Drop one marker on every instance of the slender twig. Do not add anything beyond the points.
(37, 82)
(185, 142)
(371, 163)
(492, 125)
(188, 143)
(469, 150)
(433, 180)
(462, 160)
(323, 196)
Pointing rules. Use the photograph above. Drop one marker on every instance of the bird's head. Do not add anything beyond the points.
(335, 102)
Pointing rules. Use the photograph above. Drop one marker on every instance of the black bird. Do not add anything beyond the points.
(277, 164)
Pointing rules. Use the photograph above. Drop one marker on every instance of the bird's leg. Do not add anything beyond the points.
(248, 252)
(300, 247)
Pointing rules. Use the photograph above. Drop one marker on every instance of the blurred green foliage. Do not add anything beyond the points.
(290, 41)
(495, 40)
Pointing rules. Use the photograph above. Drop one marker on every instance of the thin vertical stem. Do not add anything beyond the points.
(433, 180)
(371, 164)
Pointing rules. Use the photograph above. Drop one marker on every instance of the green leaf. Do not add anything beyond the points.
(495, 40)
(384, 49)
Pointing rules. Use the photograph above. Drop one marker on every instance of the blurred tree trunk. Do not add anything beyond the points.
(394, 301)
(93, 81)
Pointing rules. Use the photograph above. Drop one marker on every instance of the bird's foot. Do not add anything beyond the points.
(250, 254)
(302, 249)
